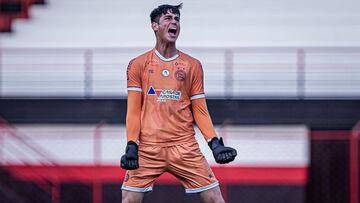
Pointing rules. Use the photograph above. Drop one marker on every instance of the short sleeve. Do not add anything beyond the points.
(197, 86)
(134, 76)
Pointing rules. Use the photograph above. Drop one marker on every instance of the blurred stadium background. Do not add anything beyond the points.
(282, 80)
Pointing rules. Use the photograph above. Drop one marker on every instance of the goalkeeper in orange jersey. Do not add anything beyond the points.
(165, 97)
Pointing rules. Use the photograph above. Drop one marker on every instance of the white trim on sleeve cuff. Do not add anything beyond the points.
(137, 89)
(198, 96)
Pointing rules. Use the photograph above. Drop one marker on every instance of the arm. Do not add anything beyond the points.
(129, 160)
(202, 118)
(221, 153)
(133, 116)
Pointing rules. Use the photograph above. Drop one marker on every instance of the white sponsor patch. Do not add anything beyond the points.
(163, 95)
(169, 95)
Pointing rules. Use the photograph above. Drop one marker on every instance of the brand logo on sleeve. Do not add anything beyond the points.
(164, 95)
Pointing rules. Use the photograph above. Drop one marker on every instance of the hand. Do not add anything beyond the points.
(221, 153)
(130, 160)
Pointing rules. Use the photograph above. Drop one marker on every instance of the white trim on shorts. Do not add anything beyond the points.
(202, 189)
(136, 189)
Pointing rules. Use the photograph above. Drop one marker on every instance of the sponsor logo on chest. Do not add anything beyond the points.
(164, 94)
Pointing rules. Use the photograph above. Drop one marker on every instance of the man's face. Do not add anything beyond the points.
(168, 28)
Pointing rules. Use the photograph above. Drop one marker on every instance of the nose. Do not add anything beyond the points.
(174, 21)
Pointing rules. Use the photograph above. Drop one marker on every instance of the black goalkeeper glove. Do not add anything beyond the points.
(130, 160)
(221, 153)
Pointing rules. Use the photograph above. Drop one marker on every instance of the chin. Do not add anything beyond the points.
(171, 40)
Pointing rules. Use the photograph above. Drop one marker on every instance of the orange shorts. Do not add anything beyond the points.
(184, 161)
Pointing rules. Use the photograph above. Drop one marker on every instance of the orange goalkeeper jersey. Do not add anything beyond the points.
(167, 87)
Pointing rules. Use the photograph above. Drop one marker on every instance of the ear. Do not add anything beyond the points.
(155, 26)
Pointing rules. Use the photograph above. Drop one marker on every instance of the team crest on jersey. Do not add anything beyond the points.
(180, 75)
(164, 95)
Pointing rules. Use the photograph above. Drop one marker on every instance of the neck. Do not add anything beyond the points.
(167, 50)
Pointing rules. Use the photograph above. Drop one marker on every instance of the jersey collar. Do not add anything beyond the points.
(166, 59)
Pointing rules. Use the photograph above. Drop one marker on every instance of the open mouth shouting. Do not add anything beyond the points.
(173, 31)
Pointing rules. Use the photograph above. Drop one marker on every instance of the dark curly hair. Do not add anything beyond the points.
(163, 9)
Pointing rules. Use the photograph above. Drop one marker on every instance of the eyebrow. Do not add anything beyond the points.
(169, 15)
